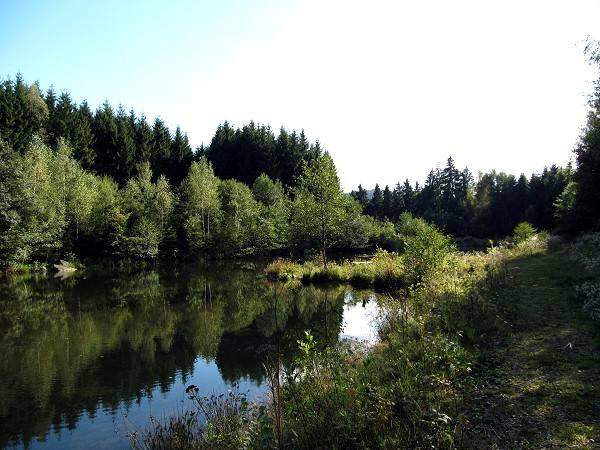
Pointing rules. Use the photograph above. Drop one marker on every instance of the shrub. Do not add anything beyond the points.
(426, 252)
(586, 250)
(590, 291)
(523, 231)
(329, 402)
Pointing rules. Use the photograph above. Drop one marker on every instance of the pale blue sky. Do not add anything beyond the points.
(390, 88)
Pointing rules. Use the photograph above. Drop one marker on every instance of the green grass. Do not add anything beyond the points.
(548, 363)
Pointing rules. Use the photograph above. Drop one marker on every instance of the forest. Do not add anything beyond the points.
(77, 183)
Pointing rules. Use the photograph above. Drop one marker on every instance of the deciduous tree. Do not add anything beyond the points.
(319, 210)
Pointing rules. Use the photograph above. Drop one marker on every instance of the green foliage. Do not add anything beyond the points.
(239, 224)
(330, 402)
(587, 152)
(104, 231)
(318, 211)
(586, 251)
(46, 219)
(244, 154)
(14, 205)
(59, 213)
(384, 270)
(523, 231)
(273, 218)
(426, 252)
(202, 205)
(147, 206)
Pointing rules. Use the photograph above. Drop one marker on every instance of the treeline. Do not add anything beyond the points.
(115, 143)
(108, 183)
(489, 207)
(51, 206)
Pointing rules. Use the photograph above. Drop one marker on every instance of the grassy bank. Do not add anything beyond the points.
(476, 351)
(542, 388)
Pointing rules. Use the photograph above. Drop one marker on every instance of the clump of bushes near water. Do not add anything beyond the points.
(406, 391)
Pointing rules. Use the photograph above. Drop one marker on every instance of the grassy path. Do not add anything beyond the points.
(541, 387)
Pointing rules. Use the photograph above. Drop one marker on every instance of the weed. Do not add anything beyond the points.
(224, 420)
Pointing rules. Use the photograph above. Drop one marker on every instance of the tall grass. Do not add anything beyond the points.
(383, 270)
(216, 421)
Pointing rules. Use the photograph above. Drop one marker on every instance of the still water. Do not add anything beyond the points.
(88, 359)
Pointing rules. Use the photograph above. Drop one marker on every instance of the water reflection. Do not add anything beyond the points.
(84, 358)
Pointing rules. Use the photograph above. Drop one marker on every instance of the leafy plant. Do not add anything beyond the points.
(523, 231)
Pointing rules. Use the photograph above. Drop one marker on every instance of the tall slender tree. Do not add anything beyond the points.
(181, 157)
(319, 208)
(202, 204)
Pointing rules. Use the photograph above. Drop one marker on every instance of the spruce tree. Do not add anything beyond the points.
(181, 157)
(375, 208)
(105, 144)
(82, 137)
(143, 138)
(386, 203)
(161, 148)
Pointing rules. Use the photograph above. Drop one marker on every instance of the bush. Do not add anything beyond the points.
(590, 291)
(523, 231)
(329, 401)
(586, 250)
(426, 252)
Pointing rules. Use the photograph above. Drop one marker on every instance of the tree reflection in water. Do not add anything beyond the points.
(102, 341)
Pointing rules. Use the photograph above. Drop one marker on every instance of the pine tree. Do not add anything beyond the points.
(587, 153)
(105, 144)
(143, 138)
(386, 203)
(361, 196)
(449, 185)
(82, 137)
(61, 121)
(397, 201)
(161, 148)
(125, 148)
(181, 157)
(17, 120)
(375, 208)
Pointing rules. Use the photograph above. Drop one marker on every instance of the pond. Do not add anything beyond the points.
(88, 359)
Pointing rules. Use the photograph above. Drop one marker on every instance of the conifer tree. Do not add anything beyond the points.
(82, 137)
(181, 157)
(105, 144)
(375, 208)
(361, 196)
(123, 161)
(143, 138)
(161, 148)
(386, 203)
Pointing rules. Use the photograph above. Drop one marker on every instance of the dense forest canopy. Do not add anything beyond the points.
(490, 206)
(77, 182)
